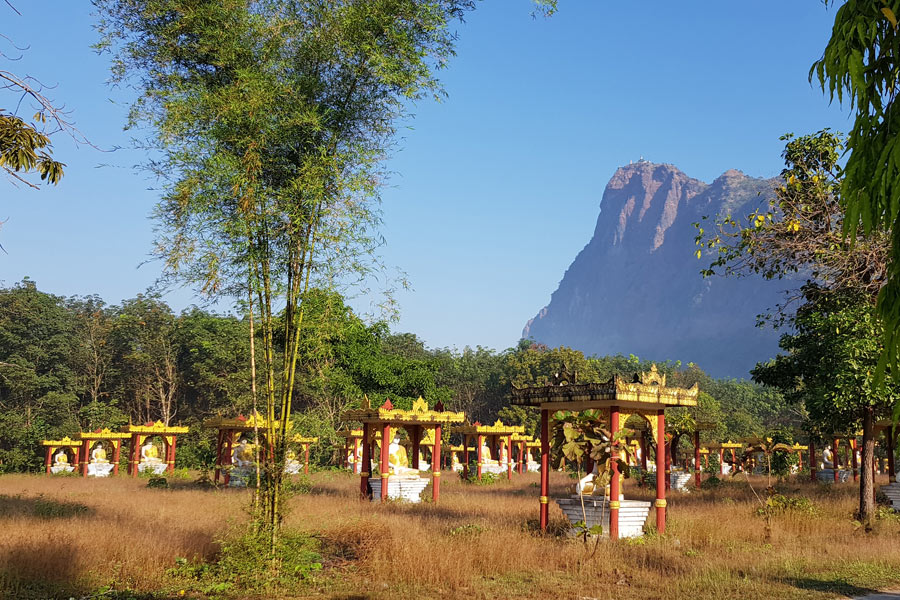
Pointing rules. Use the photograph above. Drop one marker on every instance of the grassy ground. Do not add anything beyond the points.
(62, 537)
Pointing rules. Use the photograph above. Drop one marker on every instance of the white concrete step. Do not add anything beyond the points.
(632, 514)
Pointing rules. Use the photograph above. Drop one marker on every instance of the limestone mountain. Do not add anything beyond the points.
(636, 287)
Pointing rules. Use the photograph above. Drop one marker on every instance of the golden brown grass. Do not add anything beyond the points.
(67, 534)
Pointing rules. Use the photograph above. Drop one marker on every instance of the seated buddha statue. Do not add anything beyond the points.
(242, 456)
(504, 453)
(827, 458)
(454, 461)
(398, 463)
(586, 486)
(150, 453)
(486, 455)
(61, 458)
(532, 465)
(292, 466)
(98, 454)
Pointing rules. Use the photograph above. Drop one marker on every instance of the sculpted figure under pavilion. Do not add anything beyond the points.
(492, 443)
(62, 455)
(397, 478)
(646, 395)
(145, 452)
(96, 447)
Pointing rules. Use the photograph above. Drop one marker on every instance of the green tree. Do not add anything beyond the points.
(274, 117)
(830, 368)
(861, 64)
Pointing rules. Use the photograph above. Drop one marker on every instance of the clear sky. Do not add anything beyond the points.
(497, 188)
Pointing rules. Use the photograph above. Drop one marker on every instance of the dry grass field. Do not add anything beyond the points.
(68, 537)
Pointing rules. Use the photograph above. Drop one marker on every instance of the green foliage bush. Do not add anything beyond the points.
(780, 504)
(711, 483)
(156, 482)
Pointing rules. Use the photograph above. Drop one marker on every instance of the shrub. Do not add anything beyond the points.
(779, 504)
(158, 483)
(711, 483)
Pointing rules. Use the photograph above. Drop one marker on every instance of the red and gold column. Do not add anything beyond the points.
(49, 457)
(661, 475)
(614, 480)
(117, 449)
(479, 453)
(545, 469)
(436, 465)
(385, 460)
(834, 458)
(509, 457)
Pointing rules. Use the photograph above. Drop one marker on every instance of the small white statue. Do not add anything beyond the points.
(242, 456)
(98, 454)
(398, 461)
(827, 458)
(61, 463)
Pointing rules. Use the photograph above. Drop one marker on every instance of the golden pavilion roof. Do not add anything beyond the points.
(420, 414)
(240, 423)
(350, 433)
(645, 391)
(300, 439)
(157, 427)
(728, 444)
(498, 428)
(103, 434)
(66, 441)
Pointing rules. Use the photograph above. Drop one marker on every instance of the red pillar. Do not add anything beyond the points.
(521, 457)
(117, 448)
(892, 474)
(172, 450)
(734, 465)
(49, 456)
(509, 457)
(545, 469)
(834, 457)
(614, 481)
(365, 464)
(385, 458)
(436, 465)
(465, 457)
(697, 469)
(133, 453)
(661, 477)
(87, 457)
(478, 453)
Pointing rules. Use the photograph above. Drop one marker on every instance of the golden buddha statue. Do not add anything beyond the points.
(398, 462)
(98, 455)
(486, 454)
(150, 453)
(61, 458)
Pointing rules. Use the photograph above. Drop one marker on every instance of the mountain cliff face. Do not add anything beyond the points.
(636, 287)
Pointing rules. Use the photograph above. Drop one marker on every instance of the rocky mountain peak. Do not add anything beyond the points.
(636, 288)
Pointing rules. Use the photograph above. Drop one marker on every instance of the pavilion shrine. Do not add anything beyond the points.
(524, 445)
(292, 466)
(493, 445)
(94, 459)
(725, 467)
(145, 455)
(352, 454)
(646, 395)
(62, 455)
(397, 479)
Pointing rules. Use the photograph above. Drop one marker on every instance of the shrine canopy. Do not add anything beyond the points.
(384, 418)
(492, 434)
(229, 432)
(645, 394)
(63, 466)
(90, 439)
(305, 442)
(139, 434)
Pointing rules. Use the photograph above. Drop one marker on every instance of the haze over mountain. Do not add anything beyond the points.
(636, 287)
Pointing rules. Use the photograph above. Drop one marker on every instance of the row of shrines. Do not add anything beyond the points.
(639, 402)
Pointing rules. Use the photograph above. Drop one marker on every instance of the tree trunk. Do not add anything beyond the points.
(866, 481)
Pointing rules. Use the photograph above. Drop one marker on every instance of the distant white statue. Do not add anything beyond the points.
(150, 460)
(61, 463)
(827, 458)
(398, 460)
(99, 465)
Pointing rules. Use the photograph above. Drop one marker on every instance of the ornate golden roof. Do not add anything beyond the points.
(66, 441)
(497, 428)
(299, 439)
(350, 433)
(729, 444)
(645, 391)
(158, 427)
(103, 434)
(240, 422)
(419, 415)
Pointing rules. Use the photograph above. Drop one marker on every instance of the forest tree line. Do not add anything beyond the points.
(75, 364)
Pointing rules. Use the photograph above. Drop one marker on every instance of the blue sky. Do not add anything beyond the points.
(497, 188)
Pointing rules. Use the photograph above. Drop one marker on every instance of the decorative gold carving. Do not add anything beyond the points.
(660, 503)
(614, 505)
(544, 500)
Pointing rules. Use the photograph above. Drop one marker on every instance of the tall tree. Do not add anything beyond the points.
(272, 117)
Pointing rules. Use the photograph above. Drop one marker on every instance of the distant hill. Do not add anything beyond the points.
(636, 287)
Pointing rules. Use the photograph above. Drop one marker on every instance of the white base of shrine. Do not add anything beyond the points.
(407, 488)
(100, 469)
(533, 467)
(292, 467)
(678, 480)
(424, 466)
(632, 514)
(827, 475)
(892, 491)
(62, 469)
(495, 469)
(157, 468)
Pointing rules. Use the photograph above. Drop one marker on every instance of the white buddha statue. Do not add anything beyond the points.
(98, 454)
(150, 460)
(586, 486)
(423, 464)
(827, 458)
(61, 463)
(292, 466)
(454, 461)
(351, 459)
(99, 465)
(504, 453)
(242, 455)
(398, 463)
